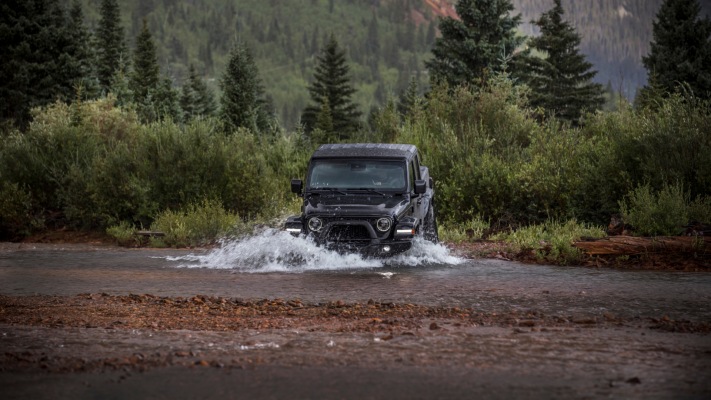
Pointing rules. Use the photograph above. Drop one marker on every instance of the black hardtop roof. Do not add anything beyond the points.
(379, 150)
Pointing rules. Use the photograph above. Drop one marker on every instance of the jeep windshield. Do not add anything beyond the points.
(371, 175)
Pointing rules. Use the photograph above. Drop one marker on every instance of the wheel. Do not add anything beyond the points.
(429, 228)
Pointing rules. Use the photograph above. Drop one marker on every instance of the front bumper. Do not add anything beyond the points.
(376, 250)
(369, 243)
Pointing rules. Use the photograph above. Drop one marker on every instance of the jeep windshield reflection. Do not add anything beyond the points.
(346, 174)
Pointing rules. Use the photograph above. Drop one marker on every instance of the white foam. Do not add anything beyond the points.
(279, 251)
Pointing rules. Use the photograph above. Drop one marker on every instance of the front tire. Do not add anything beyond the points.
(429, 228)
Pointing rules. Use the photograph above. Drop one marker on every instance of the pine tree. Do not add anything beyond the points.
(243, 102)
(408, 99)
(472, 48)
(324, 122)
(146, 72)
(188, 100)
(153, 95)
(681, 49)
(34, 49)
(120, 87)
(331, 83)
(110, 43)
(196, 98)
(561, 82)
(165, 100)
(83, 66)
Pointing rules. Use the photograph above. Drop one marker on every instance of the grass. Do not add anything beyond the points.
(463, 232)
(552, 241)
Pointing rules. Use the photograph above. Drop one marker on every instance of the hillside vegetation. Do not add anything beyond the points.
(386, 43)
(387, 40)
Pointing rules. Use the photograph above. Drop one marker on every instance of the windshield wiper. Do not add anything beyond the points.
(329, 189)
(370, 190)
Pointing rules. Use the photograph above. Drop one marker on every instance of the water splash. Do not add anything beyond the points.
(279, 251)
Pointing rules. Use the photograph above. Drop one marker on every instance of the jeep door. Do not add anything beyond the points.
(421, 202)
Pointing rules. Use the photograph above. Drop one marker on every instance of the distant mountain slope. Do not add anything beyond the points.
(615, 33)
(387, 41)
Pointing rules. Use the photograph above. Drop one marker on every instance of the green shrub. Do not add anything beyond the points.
(651, 214)
(552, 241)
(456, 233)
(473, 142)
(197, 225)
(124, 233)
(700, 209)
(547, 175)
(675, 145)
(17, 219)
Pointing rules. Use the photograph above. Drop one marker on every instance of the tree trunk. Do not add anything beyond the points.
(630, 245)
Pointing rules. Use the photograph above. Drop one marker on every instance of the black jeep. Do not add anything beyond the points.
(367, 198)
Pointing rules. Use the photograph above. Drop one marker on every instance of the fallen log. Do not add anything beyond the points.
(632, 245)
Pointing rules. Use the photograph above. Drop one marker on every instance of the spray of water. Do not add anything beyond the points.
(278, 251)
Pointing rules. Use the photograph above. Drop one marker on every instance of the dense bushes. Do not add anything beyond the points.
(495, 161)
(198, 224)
(663, 212)
(93, 165)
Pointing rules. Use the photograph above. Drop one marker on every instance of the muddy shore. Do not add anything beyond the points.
(99, 345)
(98, 340)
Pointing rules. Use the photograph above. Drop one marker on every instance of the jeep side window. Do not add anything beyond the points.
(412, 175)
(417, 167)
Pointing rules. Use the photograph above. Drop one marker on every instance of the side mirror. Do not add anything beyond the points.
(296, 186)
(420, 186)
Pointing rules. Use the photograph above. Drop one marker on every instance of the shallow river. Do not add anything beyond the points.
(274, 265)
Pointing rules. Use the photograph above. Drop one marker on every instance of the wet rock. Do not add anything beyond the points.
(295, 303)
(527, 323)
(434, 326)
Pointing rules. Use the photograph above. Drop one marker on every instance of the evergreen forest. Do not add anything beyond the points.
(387, 42)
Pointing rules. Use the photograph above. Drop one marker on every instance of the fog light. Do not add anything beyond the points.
(386, 249)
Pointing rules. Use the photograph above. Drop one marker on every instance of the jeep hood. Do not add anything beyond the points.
(356, 204)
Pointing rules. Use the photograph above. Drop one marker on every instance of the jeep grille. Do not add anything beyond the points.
(347, 233)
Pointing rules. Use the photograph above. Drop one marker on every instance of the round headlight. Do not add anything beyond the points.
(315, 224)
(383, 224)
